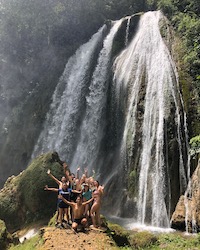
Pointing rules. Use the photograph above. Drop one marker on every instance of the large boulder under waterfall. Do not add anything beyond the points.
(23, 199)
(187, 213)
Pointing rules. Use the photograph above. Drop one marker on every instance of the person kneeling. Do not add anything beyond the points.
(78, 209)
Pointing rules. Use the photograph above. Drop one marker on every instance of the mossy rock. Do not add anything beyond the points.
(23, 199)
(142, 240)
(119, 234)
(35, 199)
(52, 221)
(10, 205)
(5, 236)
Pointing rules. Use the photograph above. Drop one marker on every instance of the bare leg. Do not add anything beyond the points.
(98, 219)
(94, 208)
(86, 210)
(84, 223)
(57, 215)
(67, 214)
(60, 217)
(74, 226)
(71, 214)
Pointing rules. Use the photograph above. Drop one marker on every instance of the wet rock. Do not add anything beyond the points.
(187, 213)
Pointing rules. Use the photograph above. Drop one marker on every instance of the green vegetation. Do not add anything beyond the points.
(119, 234)
(177, 241)
(30, 244)
(5, 237)
(141, 240)
(195, 145)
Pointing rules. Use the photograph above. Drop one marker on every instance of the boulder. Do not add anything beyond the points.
(23, 199)
(187, 213)
(5, 237)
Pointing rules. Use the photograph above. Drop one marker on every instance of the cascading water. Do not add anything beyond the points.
(146, 99)
(94, 120)
(127, 30)
(60, 128)
(146, 67)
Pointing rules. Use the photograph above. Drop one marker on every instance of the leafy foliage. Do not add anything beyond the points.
(195, 145)
(142, 240)
(34, 243)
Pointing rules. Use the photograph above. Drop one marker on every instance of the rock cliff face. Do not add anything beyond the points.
(187, 213)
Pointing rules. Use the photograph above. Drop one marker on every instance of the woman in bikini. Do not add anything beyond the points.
(95, 209)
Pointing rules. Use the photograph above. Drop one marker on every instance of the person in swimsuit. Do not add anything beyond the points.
(78, 208)
(87, 195)
(95, 209)
(62, 207)
(60, 184)
(65, 191)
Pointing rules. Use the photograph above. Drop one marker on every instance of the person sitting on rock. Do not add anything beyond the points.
(78, 208)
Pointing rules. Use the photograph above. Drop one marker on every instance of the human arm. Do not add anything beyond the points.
(76, 191)
(77, 173)
(93, 173)
(68, 176)
(101, 189)
(86, 172)
(46, 188)
(64, 167)
(53, 177)
(87, 202)
(66, 201)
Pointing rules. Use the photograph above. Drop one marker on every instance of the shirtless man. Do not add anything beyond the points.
(78, 208)
(95, 209)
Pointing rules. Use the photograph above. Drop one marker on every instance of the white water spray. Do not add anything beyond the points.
(127, 30)
(93, 123)
(60, 126)
(146, 64)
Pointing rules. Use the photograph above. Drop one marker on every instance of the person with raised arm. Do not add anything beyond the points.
(95, 209)
(65, 191)
(63, 179)
(60, 184)
(87, 195)
(62, 207)
(78, 208)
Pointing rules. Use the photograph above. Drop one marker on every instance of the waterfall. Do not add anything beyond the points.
(144, 98)
(127, 30)
(145, 66)
(94, 120)
(78, 105)
(60, 128)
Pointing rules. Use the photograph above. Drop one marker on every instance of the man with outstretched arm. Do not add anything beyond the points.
(78, 208)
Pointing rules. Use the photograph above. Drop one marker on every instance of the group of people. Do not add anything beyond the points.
(79, 199)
